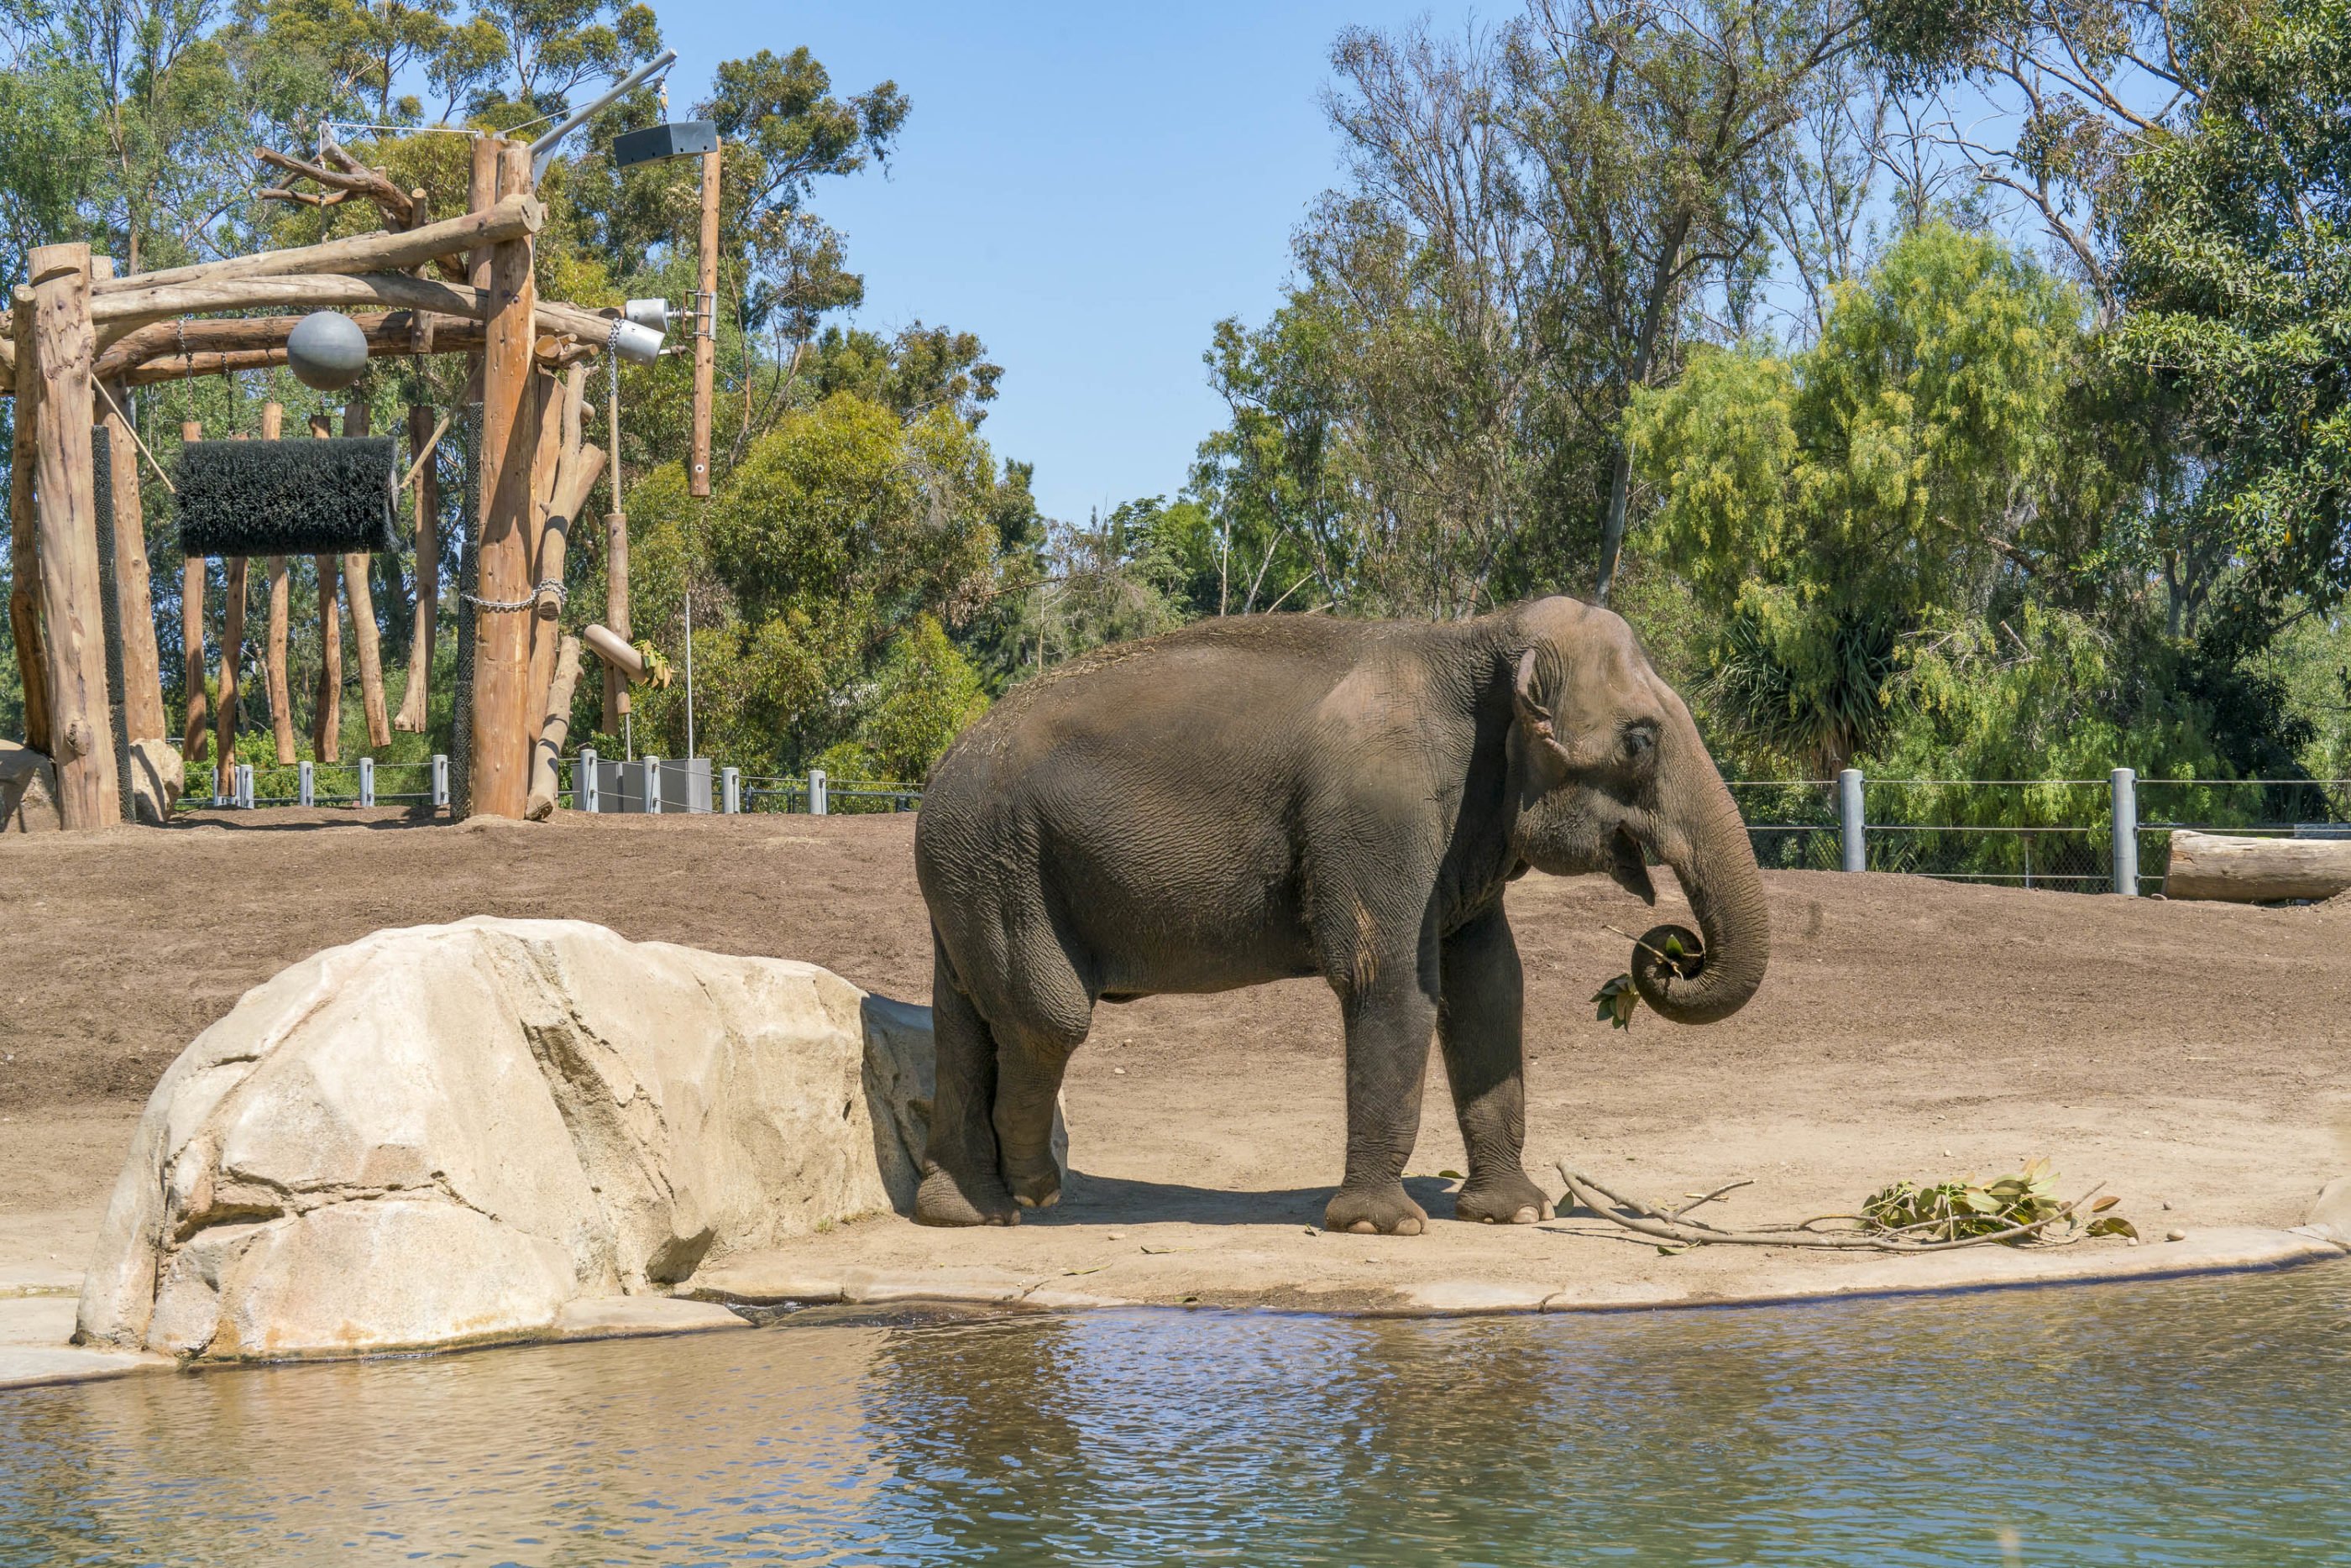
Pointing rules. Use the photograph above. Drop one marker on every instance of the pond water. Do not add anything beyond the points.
(2193, 1422)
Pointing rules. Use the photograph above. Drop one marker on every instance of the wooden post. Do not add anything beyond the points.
(281, 615)
(192, 638)
(65, 347)
(554, 729)
(503, 732)
(227, 711)
(706, 327)
(327, 712)
(414, 699)
(559, 461)
(365, 635)
(142, 669)
(23, 536)
(616, 554)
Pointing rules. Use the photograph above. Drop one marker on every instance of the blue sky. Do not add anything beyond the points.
(1088, 188)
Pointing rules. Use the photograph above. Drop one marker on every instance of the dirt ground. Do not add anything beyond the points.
(2196, 1058)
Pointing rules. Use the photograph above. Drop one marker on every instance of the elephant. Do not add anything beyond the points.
(1262, 798)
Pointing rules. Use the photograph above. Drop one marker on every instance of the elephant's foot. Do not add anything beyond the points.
(1386, 1210)
(1034, 1185)
(944, 1200)
(1509, 1198)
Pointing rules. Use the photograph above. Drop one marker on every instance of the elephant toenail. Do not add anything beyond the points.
(1363, 1228)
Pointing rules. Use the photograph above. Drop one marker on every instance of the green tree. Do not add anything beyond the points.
(1829, 506)
(927, 692)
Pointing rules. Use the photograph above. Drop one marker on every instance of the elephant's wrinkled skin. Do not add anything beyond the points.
(1258, 799)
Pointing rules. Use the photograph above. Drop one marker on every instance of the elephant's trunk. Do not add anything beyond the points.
(1702, 837)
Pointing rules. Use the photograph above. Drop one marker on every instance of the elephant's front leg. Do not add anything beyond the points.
(1389, 1015)
(1479, 1022)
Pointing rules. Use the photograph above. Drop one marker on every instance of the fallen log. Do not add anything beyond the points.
(554, 729)
(2244, 870)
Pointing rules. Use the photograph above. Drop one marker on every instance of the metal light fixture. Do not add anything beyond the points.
(673, 138)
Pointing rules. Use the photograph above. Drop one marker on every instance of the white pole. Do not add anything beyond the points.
(308, 790)
(1849, 818)
(2125, 825)
(690, 752)
(585, 791)
(366, 780)
(731, 788)
(817, 802)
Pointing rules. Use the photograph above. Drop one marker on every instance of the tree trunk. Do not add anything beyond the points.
(191, 638)
(415, 701)
(364, 633)
(502, 731)
(143, 669)
(66, 510)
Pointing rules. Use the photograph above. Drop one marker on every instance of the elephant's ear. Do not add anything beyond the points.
(1526, 697)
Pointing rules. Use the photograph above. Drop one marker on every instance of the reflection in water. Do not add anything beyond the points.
(2195, 1422)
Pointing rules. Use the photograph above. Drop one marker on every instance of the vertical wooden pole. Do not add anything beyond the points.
(24, 535)
(281, 616)
(192, 638)
(143, 667)
(706, 328)
(560, 421)
(414, 699)
(365, 635)
(64, 345)
(616, 553)
(228, 709)
(502, 727)
(327, 712)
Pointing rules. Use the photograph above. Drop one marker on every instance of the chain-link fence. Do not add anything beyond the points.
(2054, 834)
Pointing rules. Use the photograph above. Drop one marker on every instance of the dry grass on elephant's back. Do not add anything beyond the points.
(121, 947)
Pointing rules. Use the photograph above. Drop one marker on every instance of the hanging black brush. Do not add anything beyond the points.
(287, 497)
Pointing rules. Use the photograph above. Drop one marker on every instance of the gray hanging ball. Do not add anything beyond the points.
(326, 351)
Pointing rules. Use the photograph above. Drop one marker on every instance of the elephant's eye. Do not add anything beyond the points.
(1639, 741)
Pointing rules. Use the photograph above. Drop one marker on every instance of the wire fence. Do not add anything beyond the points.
(2053, 833)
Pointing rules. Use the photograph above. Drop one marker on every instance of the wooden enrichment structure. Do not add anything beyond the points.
(77, 338)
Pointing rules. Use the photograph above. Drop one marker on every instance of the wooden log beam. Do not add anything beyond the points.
(125, 313)
(24, 545)
(415, 698)
(166, 343)
(554, 729)
(191, 638)
(73, 639)
(615, 650)
(228, 709)
(142, 671)
(382, 251)
(570, 495)
(501, 732)
(366, 638)
(2245, 870)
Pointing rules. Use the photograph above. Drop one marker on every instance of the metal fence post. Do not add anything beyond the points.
(653, 783)
(307, 786)
(2126, 788)
(244, 786)
(816, 792)
(1849, 817)
(440, 780)
(730, 790)
(366, 780)
(586, 789)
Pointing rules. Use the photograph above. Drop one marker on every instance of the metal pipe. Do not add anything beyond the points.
(1856, 854)
(543, 148)
(2126, 827)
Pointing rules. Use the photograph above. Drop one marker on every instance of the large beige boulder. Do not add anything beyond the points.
(451, 1133)
(29, 791)
(157, 779)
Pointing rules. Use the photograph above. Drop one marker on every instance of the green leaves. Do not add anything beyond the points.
(1956, 1209)
(1616, 1001)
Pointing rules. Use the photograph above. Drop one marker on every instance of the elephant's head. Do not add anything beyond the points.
(1606, 767)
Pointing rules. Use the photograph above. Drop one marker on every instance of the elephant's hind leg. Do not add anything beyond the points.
(961, 1183)
(1479, 1024)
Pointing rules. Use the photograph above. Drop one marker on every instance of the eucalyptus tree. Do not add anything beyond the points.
(1657, 127)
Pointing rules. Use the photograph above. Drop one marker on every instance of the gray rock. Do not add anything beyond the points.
(29, 791)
